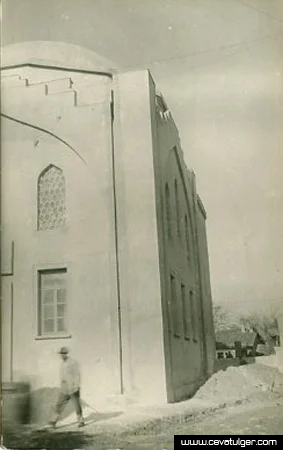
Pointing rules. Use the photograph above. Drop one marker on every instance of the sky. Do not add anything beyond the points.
(219, 65)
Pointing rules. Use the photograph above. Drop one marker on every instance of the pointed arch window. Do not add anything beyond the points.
(51, 207)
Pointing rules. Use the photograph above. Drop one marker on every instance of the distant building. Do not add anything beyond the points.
(104, 243)
(237, 343)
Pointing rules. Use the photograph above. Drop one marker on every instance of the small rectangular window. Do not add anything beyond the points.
(52, 302)
(187, 320)
(168, 211)
(187, 233)
(193, 315)
(177, 203)
(175, 308)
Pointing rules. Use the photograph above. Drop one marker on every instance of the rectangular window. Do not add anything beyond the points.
(175, 308)
(193, 315)
(186, 313)
(52, 302)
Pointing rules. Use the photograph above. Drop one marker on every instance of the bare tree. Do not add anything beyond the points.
(258, 321)
(222, 318)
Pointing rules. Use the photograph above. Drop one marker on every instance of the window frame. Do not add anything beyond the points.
(51, 268)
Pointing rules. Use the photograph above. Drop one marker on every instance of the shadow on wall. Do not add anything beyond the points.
(22, 406)
(16, 402)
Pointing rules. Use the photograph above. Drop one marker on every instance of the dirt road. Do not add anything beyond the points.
(242, 420)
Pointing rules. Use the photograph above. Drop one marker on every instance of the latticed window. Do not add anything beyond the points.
(52, 311)
(51, 199)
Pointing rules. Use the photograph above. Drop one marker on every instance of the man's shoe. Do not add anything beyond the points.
(81, 424)
(52, 424)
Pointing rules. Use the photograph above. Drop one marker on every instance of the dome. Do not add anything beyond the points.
(54, 53)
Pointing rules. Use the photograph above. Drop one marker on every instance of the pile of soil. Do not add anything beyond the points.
(239, 383)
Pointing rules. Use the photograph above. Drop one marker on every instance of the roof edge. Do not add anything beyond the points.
(62, 68)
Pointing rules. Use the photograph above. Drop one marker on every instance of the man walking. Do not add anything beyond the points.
(69, 388)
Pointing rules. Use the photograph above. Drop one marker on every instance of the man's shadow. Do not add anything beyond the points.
(89, 420)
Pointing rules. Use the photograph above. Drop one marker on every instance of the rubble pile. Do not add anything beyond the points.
(239, 383)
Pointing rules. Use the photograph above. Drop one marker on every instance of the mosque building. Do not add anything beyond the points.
(103, 235)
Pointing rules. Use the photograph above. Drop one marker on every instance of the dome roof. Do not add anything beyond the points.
(54, 53)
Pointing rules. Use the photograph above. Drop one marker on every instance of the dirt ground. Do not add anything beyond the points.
(251, 418)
